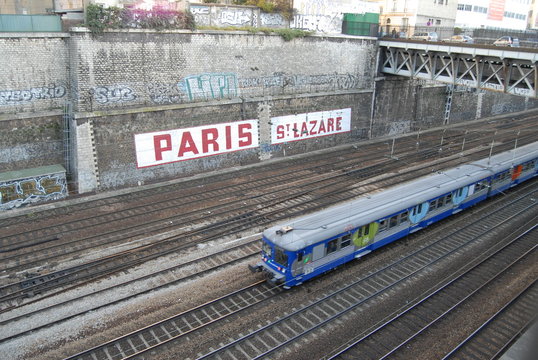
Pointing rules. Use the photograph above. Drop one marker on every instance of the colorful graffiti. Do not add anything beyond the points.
(216, 86)
(210, 86)
(16, 193)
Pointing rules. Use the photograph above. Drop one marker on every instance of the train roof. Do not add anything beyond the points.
(334, 220)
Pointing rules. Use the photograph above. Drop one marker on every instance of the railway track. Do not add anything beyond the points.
(393, 335)
(493, 337)
(295, 200)
(268, 340)
(119, 292)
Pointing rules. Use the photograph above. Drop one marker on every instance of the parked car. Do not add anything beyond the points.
(460, 39)
(507, 41)
(426, 36)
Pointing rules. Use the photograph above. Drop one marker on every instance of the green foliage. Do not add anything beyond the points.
(457, 31)
(286, 34)
(270, 6)
(289, 34)
(99, 18)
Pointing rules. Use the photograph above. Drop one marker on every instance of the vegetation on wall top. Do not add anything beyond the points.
(284, 7)
(286, 33)
(99, 18)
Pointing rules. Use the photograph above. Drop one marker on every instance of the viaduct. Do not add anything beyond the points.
(82, 113)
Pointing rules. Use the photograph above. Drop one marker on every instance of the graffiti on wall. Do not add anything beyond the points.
(223, 16)
(201, 15)
(113, 94)
(331, 81)
(215, 86)
(14, 97)
(235, 17)
(272, 19)
(16, 193)
(210, 86)
(162, 94)
(318, 23)
(325, 16)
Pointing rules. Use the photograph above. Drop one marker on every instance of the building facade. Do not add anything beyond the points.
(409, 16)
(501, 14)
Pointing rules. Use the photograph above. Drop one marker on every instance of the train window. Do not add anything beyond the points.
(266, 248)
(383, 225)
(300, 256)
(404, 216)
(346, 241)
(365, 230)
(280, 256)
(528, 165)
(434, 204)
(393, 221)
(448, 198)
(332, 246)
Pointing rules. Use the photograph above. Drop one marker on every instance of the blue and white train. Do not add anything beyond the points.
(312, 245)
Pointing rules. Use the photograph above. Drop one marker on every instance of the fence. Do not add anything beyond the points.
(528, 38)
(30, 23)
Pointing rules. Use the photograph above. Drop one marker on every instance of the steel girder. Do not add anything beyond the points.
(508, 71)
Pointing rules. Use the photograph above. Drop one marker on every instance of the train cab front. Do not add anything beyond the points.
(273, 263)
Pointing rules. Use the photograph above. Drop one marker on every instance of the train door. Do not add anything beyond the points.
(365, 235)
(303, 259)
(459, 195)
(418, 212)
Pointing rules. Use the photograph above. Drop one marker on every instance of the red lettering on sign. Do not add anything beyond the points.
(304, 129)
(321, 127)
(280, 132)
(187, 144)
(228, 130)
(159, 147)
(330, 124)
(338, 123)
(295, 131)
(246, 134)
(209, 136)
(313, 123)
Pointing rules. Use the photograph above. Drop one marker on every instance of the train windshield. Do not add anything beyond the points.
(266, 248)
(280, 256)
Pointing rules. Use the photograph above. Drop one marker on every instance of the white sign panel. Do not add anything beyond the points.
(310, 125)
(169, 146)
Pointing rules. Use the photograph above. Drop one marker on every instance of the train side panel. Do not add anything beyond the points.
(315, 259)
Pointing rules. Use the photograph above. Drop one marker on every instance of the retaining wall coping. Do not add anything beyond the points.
(239, 100)
(32, 172)
(8, 35)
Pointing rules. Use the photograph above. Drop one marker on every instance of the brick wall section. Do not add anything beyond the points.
(137, 68)
(33, 73)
